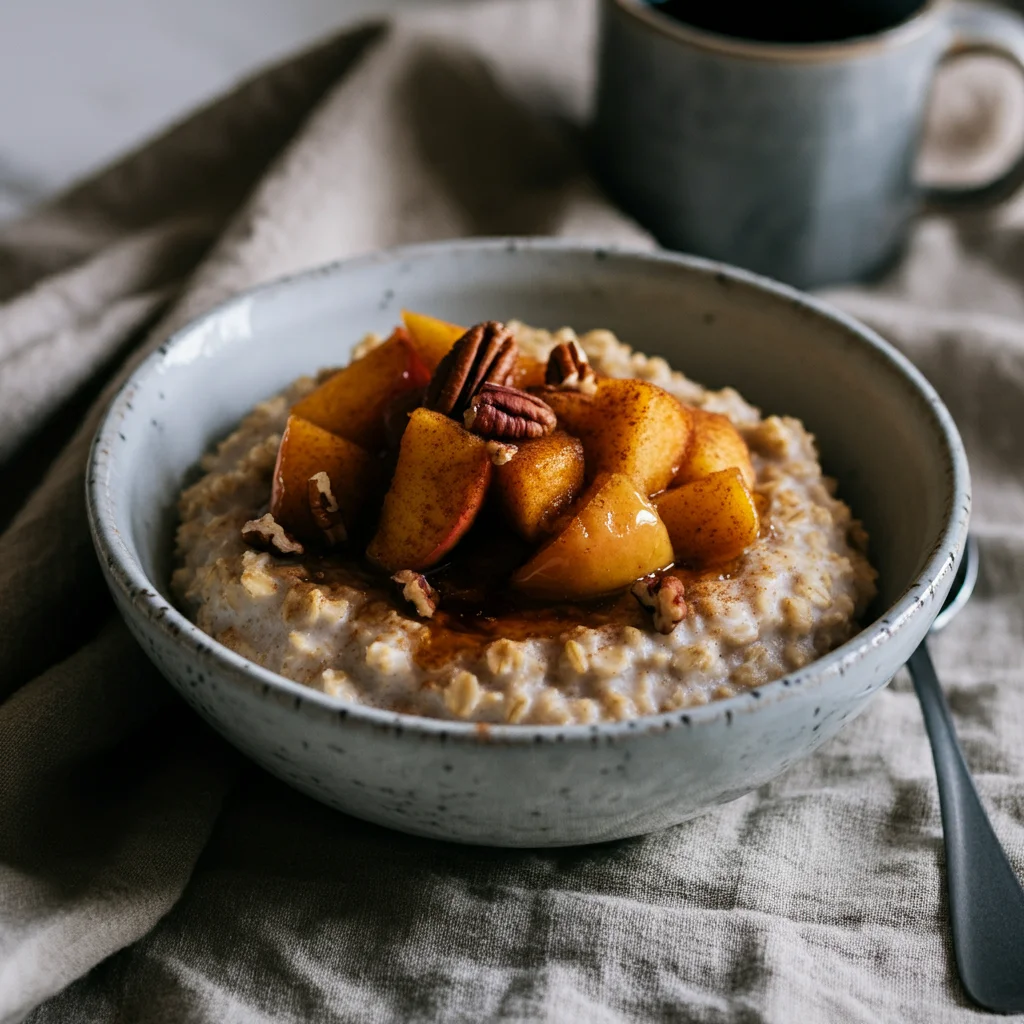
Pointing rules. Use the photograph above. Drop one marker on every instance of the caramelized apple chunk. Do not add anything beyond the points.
(352, 402)
(528, 372)
(615, 538)
(432, 338)
(638, 429)
(710, 520)
(438, 487)
(629, 426)
(541, 480)
(572, 408)
(305, 451)
(716, 444)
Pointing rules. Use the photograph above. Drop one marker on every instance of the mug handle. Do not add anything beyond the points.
(983, 28)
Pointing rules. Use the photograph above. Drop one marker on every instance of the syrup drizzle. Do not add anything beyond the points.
(477, 605)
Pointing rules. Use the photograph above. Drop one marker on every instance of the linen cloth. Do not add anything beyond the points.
(149, 874)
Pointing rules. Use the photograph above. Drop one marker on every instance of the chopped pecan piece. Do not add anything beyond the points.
(569, 369)
(324, 508)
(418, 592)
(501, 412)
(267, 534)
(664, 598)
(500, 452)
(485, 354)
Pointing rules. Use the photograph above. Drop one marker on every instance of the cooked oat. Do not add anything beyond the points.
(795, 594)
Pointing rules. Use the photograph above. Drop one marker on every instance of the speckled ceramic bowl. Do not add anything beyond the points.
(882, 431)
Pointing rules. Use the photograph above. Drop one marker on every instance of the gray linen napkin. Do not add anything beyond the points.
(149, 874)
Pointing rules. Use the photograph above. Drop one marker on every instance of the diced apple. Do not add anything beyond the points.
(432, 337)
(542, 480)
(572, 408)
(528, 373)
(614, 539)
(638, 429)
(438, 488)
(306, 450)
(353, 401)
(716, 445)
(713, 519)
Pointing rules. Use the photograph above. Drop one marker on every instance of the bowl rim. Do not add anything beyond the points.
(124, 570)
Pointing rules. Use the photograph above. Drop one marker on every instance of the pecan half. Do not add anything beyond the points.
(486, 353)
(664, 599)
(418, 592)
(569, 369)
(267, 534)
(508, 413)
(324, 508)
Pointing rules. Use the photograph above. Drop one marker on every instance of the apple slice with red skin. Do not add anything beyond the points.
(438, 488)
(306, 450)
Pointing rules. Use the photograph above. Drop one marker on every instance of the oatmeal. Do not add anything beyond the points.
(511, 525)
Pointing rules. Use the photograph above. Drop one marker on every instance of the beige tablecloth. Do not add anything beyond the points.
(149, 874)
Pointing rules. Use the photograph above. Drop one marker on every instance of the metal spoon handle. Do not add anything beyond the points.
(986, 902)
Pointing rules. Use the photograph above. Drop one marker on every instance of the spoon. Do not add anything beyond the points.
(986, 902)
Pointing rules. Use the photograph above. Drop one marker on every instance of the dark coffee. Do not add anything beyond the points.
(790, 21)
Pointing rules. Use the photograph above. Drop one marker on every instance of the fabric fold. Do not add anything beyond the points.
(149, 874)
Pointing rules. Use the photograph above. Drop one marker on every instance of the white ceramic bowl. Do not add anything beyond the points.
(882, 431)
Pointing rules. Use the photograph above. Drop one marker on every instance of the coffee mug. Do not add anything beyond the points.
(792, 159)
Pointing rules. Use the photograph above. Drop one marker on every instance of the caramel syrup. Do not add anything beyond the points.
(477, 604)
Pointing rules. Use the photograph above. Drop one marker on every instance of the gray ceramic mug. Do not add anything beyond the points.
(793, 160)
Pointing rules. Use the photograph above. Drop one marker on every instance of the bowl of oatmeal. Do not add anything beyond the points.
(527, 542)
